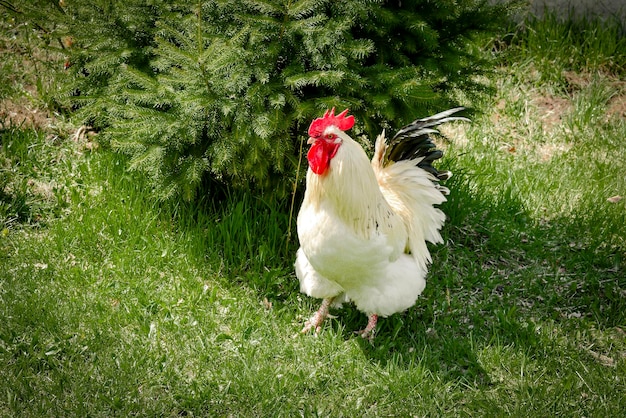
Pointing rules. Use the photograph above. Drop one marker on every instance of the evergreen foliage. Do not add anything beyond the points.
(228, 88)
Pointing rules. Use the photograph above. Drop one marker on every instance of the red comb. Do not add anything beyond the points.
(319, 125)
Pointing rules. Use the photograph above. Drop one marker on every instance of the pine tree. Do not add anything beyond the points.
(227, 89)
(98, 36)
(231, 86)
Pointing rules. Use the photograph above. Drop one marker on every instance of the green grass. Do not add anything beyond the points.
(114, 305)
(554, 45)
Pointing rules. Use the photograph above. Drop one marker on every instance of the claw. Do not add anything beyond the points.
(370, 329)
(310, 324)
(314, 323)
(316, 320)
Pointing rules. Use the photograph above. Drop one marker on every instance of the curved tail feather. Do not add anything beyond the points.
(413, 142)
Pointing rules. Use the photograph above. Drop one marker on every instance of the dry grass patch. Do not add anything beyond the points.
(24, 113)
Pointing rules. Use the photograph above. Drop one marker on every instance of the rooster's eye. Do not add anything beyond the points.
(330, 136)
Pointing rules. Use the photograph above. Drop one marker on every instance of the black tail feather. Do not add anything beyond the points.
(414, 142)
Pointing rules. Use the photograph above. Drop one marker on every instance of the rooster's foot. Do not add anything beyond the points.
(316, 320)
(370, 328)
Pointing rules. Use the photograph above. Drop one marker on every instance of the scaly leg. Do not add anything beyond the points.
(370, 328)
(316, 320)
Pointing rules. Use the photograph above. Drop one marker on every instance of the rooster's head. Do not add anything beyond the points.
(325, 137)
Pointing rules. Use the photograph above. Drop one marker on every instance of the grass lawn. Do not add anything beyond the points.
(114, 305)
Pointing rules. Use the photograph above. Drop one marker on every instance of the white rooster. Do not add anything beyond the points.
(363, 225)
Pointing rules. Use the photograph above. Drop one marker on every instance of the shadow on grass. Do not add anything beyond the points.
(500, 274)
(407, 340)
(499, 277)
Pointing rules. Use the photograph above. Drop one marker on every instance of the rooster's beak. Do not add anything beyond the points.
(310, 141)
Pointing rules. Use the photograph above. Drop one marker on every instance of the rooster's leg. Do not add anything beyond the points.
(368, 331)
(316, 320)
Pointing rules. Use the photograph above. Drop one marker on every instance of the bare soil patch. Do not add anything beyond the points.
(551, 110)
(22, 112)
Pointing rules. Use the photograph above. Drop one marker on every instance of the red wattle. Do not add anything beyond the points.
(320, 154)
